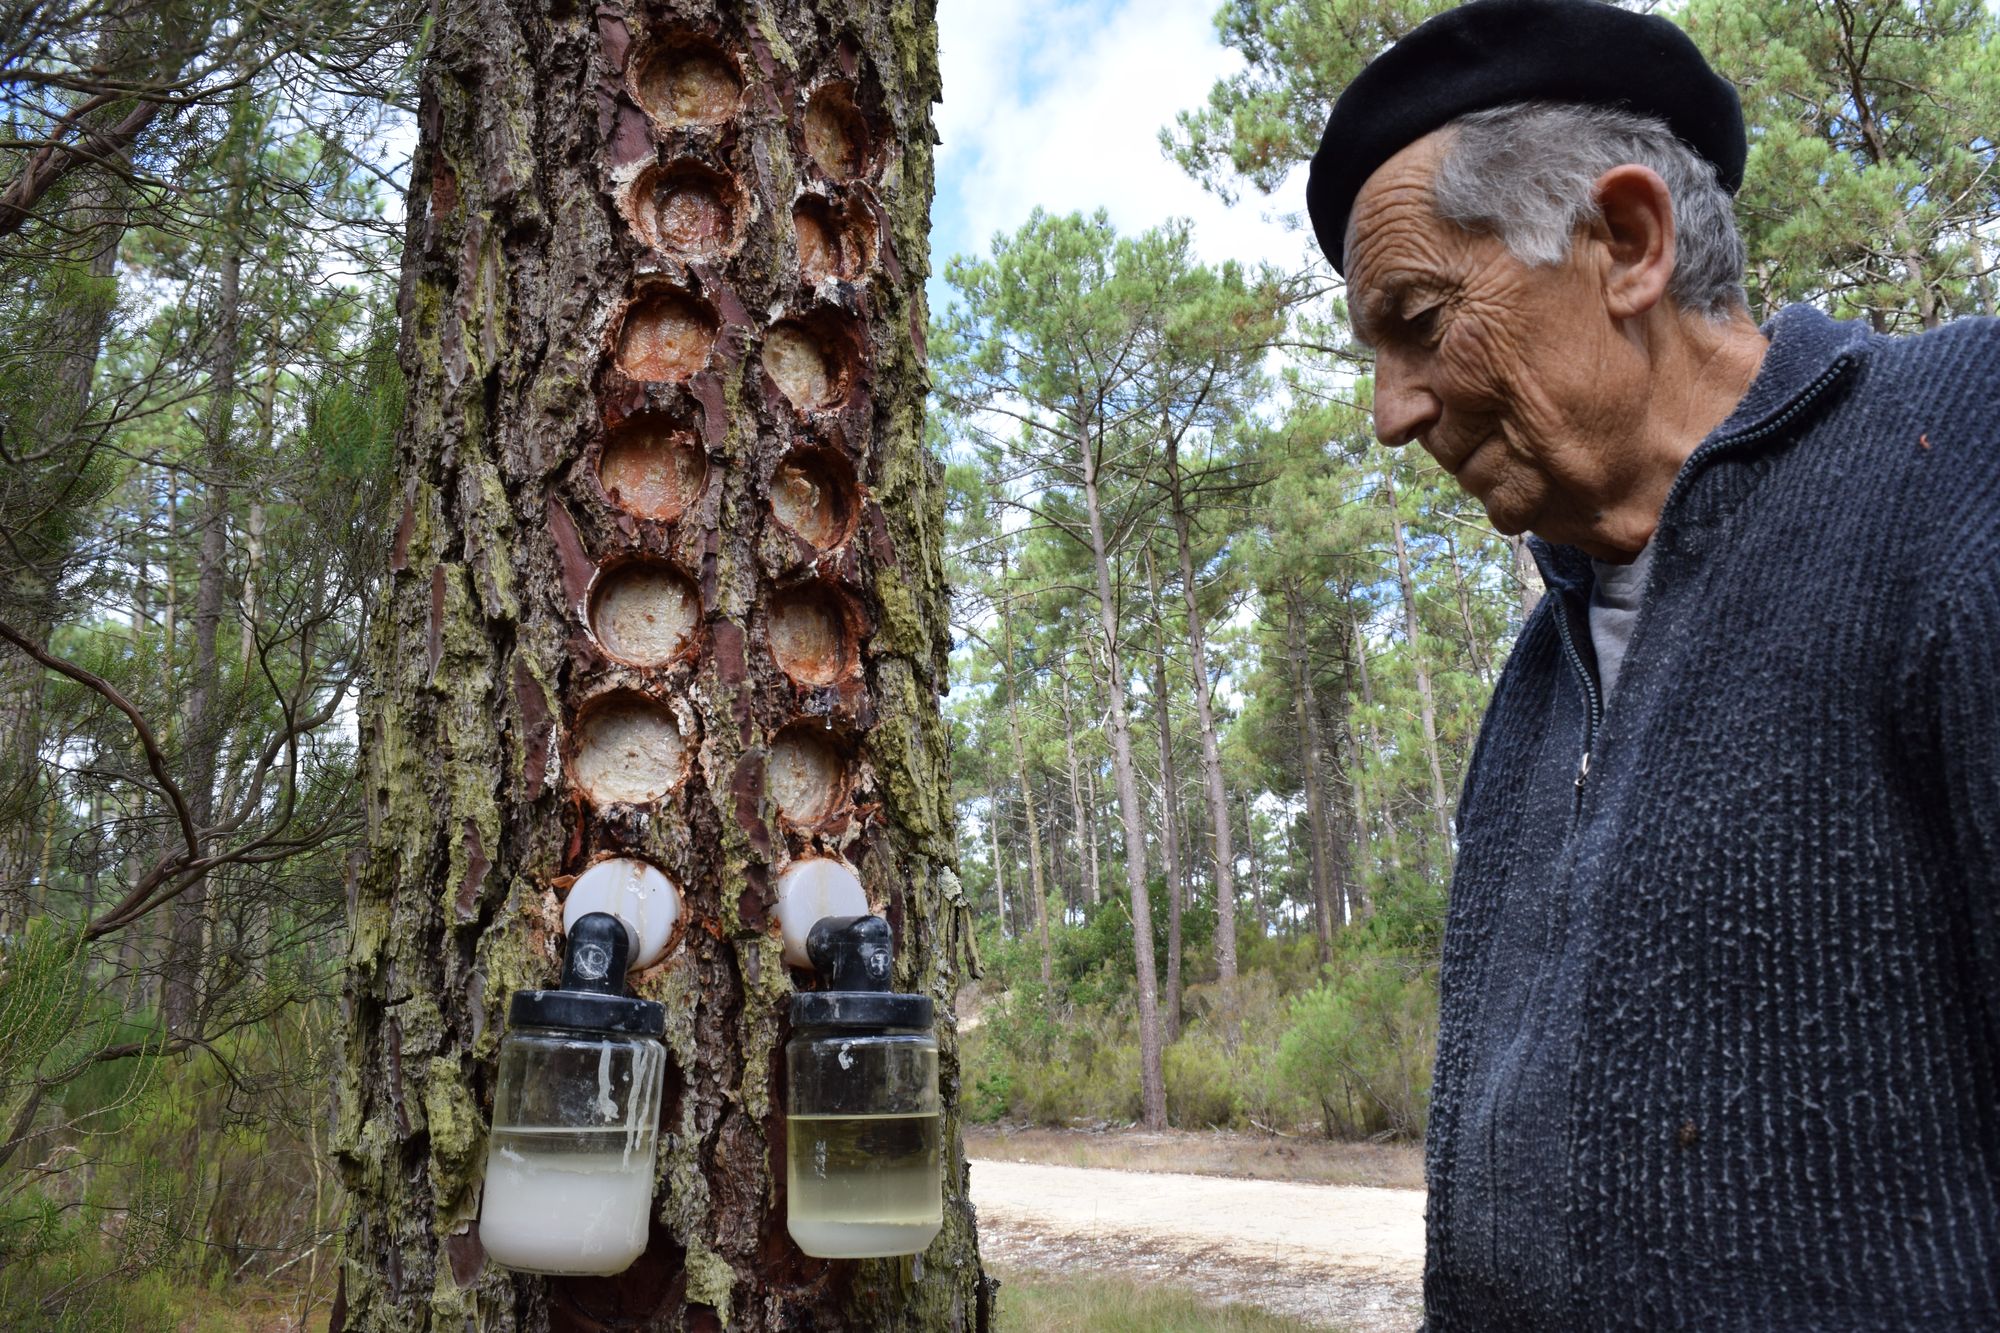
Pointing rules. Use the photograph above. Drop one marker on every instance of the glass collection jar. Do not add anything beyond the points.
(863, 1172)
(576, 1110)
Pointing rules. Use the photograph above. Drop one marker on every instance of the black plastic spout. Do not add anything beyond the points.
(594, 955)
(853, 953)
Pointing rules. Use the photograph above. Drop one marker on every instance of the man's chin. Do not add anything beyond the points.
(1507, 520)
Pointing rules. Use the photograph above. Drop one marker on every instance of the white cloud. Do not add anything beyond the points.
(1060, 105)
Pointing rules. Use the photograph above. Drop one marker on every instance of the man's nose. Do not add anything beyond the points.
(1405, 407)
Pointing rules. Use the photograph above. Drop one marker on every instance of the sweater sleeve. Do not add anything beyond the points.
(1966, 718)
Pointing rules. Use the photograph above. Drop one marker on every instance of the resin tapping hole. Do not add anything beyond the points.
(811, 634)
(652, 468)
(836, 135)
(685, 209)
(666, 337)
(833, 243)
(808, 363)
(628, 750)
(813, 493)
(689, 82)
(643, 613)
(806, 777)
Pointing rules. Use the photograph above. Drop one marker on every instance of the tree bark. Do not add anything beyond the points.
(999, 866)
(201, 736)
(1170, 841)
(1038, 885)
(1526, 576)
(1308, 713)
(1426, 704)
(1085, 832)
(1152, 1085)
(1211, 750)
(692, 240)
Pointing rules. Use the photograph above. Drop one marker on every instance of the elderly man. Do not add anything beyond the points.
(1721, 986)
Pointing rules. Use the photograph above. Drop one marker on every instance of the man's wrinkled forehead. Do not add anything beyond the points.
(1394, 221)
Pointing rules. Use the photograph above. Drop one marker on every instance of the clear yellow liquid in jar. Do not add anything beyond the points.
(862, 1187)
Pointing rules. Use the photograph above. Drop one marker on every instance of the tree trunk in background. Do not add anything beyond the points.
(1170, 839)
(1525, 574)
(1256, 884)
(1426, 705)
(1211, 750)
(999, 865)
(89, 221)
(1090, 827)
(1040, 887)
(662, 320)
(1308, 712)
(1152, 1086)
(1086, 822)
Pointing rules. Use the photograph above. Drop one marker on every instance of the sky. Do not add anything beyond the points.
(1059, 103)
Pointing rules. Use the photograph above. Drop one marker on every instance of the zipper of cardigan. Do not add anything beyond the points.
(1593, 706)
(1841, 365)
(1594, 716)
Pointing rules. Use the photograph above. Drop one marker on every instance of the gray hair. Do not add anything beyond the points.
(1526, 173)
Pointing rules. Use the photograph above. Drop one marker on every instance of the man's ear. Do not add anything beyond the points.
(1637, 236)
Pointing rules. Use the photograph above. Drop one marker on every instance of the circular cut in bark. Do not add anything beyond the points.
(685, 209)
(809, 368)
(813, 494)
(806, 775)
(687, 82)
(628, 750)
(667, 336)
(643, 613)
(652, 468)
(832, 243)
(809, 634)
(836, 135)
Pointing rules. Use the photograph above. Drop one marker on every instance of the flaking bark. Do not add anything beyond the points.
(560, 233)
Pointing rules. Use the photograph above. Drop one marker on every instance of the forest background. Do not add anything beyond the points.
(1219, 659)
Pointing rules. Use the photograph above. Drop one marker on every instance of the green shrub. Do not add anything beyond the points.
(1359, 1046)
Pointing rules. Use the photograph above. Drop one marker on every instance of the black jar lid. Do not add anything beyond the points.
(591, 997)
(586, 1011)
(865, 1010)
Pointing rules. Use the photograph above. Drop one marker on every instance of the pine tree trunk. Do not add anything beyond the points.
(662, 326)
(1211, 749)
(1085, 832)
(201, 737)
(1426, 704)
(999, 866)
(1039, 886)
(1170, 839)
(1152, 1086)
(1308, 712)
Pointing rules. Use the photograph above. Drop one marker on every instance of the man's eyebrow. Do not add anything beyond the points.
(1377, 305)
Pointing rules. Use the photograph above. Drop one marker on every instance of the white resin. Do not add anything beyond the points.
(637, 894)
(812, 889)
(566, 1212)
(572, 1198)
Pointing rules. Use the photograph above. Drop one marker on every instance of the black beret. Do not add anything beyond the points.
(1496, 52)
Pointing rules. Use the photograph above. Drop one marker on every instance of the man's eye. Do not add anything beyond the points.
(1423, 324)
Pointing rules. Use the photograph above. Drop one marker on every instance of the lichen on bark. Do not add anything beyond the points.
(523, 259)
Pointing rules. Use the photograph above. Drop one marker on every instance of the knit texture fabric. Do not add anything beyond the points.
(1719, 1024)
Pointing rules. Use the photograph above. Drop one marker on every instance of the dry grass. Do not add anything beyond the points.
(1033, 1302)
(1206, 1153)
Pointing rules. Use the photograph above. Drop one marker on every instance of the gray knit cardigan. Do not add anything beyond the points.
(1720, 1038)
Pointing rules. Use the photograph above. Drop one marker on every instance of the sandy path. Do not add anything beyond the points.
(1344, 1256)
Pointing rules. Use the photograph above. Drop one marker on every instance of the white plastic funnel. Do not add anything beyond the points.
(809, 890)
(635, 892)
